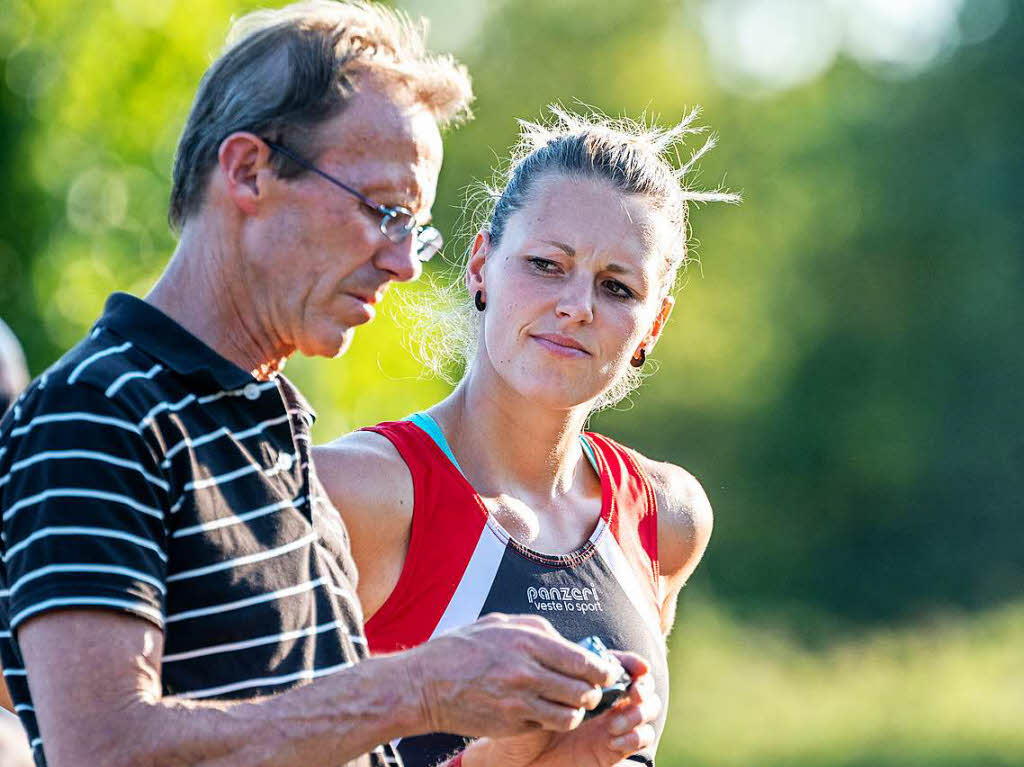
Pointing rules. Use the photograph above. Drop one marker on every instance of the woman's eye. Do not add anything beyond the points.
(617, 289)
(543, 264)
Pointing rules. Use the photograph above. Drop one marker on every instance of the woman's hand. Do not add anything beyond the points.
(603, 741)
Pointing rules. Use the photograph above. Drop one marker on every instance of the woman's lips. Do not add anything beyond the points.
(563, 346)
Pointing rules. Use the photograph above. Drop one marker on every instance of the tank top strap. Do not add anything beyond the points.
(633, 519)
(447, 521)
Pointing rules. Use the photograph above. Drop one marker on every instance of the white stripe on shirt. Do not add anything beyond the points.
(235, 519)
(257, 641)
(71, 492)
(101, 532)
(168, 406)
(190, 398)
(121, 381)
(87, 455)
(247, 602)
(215, 434)
(252, 468)
(246, 560)
(126, 604)
(89, 360)
(85, 567)
(75, 416)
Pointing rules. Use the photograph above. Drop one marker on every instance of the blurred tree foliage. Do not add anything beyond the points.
(840, 371)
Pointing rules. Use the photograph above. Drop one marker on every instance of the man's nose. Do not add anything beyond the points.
(399, 259)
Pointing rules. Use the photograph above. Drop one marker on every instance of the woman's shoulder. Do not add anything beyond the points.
(363, 470)
(685, 518)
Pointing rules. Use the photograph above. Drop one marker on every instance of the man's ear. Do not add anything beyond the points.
(240, 159)
(477, 259)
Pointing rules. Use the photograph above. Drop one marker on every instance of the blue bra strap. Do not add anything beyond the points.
(427, 423)
(588, 451)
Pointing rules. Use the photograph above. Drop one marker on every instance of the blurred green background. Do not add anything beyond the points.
(841, 371)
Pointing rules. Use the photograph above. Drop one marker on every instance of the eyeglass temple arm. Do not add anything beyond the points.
(310, 167)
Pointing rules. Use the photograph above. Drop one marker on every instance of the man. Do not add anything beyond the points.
(175, 587)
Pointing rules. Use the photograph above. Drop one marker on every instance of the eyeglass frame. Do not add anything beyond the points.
(387, 213)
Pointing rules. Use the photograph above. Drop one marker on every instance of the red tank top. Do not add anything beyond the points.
(462, 564)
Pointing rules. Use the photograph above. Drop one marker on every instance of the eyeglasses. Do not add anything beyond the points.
(396, 223)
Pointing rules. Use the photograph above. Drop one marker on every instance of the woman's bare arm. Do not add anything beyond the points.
(371, 487)
(685, 521)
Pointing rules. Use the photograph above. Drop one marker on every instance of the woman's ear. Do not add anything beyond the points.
(659, 324)
(477, 259)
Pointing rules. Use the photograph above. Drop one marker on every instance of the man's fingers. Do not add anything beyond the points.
(565, 691)
(573, 661)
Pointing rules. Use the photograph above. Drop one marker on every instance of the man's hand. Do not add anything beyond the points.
(506, 675)
(599, 742)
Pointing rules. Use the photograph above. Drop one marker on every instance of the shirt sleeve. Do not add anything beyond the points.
(83, 501)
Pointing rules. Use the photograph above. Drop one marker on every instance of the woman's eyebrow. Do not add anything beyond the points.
(571, 252)
(567, 249)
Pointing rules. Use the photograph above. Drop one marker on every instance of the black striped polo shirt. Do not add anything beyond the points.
(145, 473)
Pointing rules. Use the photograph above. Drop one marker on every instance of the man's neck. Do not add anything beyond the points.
(204, 290)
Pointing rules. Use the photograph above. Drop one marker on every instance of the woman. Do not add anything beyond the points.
(496, 499)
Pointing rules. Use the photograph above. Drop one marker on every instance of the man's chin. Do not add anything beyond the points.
(345, 343)
(329, 345)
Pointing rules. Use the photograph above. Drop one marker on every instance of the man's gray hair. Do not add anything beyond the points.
(285, 72)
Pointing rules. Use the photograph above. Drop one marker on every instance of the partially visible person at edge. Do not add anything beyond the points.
(13, 371)
(496, 498)
(14, 751)
(175, 587)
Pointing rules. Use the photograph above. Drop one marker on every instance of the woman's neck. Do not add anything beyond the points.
(507, 443)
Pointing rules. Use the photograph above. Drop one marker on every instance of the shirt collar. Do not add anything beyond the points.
(161, 337)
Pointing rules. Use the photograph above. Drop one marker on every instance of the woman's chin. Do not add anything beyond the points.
(556, 395)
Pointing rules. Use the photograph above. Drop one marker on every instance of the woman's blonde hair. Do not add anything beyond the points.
(634, 156)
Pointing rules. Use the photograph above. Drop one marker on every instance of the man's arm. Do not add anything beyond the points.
(95, 682)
